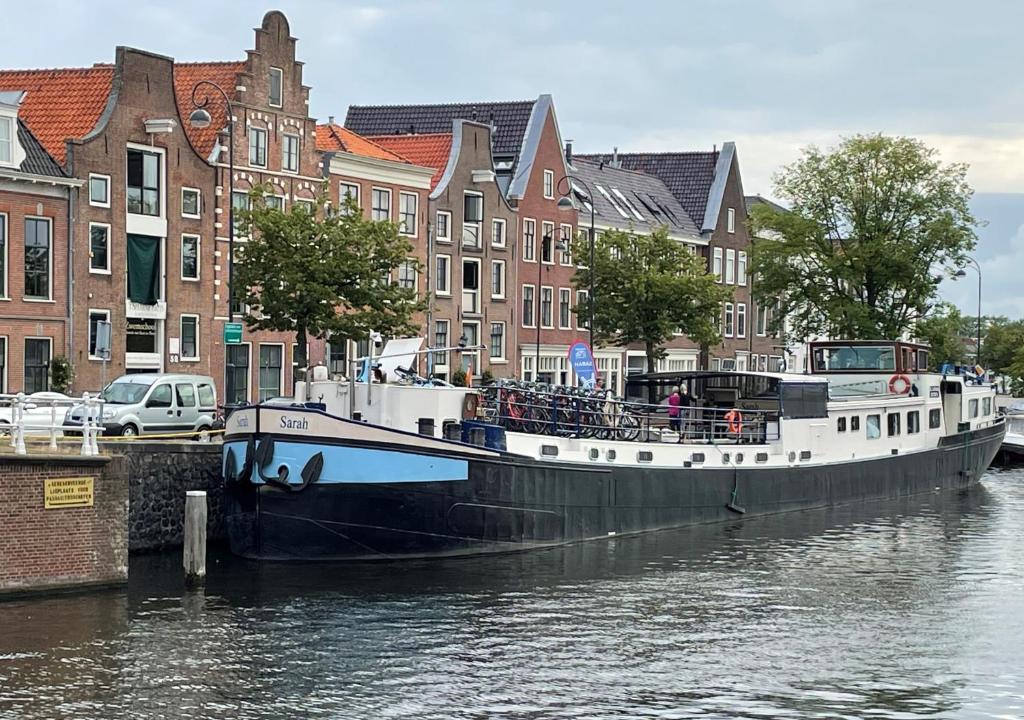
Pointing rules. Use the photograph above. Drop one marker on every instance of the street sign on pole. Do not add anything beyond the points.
(232, 333)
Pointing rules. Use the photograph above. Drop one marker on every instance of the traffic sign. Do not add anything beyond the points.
(232, 333)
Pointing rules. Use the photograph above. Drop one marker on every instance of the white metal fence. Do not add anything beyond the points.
(24, 416)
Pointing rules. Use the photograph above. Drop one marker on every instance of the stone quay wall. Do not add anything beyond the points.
(44, 549)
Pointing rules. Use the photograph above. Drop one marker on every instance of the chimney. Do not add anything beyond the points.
(615, 158)
(568, 152)
(330, 119)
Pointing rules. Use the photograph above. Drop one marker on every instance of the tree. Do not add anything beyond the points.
(942, 331)
(1000, 343)
(648, 288)
(317, 273)
(869, 224)
(1015, 371)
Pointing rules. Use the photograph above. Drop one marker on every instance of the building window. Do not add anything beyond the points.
(730, 222)
(257, 147)
(236, 389)
(564, 307)
(3, 255)
(498, 233)
(874, 427)
(729, 320)
(497, 341)
(274, 202)
(444, 226)
(37, 258)
(716, 264)
(471, 286)
(99, 190)
(407, 213)
(337, 357)
(444, 275)
(565, 254)
(549, 184)
(529, 240)
(547, 296)
(3, 365)
(471, 358)
(528, 316)
(6, 140)
(498, 279)
(345, 191)
(741, 268)
(271, 369)
(190, 205)
(582, 315)
(547, 252)
(143, 183)
(730, 267)
(189, 337)
(99, 248)
(95, 318)
(380, 208)
(913, 422)
(894, 424)
(441, 341)
(934, 418)
(276, 86)
(407, 275)
(240, 201)
(741, 320)
(762, 320)
(473, 216)
(290, 153)
(37, 365)
(189, 257)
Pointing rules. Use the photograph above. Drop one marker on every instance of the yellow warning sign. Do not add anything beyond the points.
(68, 492)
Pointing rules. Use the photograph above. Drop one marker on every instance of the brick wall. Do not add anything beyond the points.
(43, 549)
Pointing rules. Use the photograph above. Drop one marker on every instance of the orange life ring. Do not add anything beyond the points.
(470, 403)
(735, 420)
(899, 379)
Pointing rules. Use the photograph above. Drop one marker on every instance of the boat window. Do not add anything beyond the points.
(986, 406)
(922, 359)
(805, 400)
(854, 357)
(913, 422)
(894, 424)
(874, 427)
(841, 424)
(855, 423)
(972, 408)
(934, 418)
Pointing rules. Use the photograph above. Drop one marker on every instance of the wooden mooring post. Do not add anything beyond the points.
(194, 559)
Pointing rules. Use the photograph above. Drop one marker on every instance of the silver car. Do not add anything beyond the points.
(154, 404)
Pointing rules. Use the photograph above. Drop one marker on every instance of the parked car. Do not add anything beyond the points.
(153, 404)
(38, 413)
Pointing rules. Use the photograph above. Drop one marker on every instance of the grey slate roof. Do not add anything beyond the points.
(687, 175)
(634, 200)
(751, 200)
(509, 118)
(37, 161)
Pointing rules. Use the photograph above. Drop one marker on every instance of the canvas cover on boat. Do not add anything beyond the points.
(400, 352)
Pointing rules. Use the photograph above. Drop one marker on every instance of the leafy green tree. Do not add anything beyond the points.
(1000, 344)
(942, 331)
(1015, 371)
(647, 288)
(869, 224)
(316, 273)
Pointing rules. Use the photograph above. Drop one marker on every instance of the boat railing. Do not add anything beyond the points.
(543, 409)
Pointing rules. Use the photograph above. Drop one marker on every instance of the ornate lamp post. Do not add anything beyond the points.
(200, 118)
(566, 202)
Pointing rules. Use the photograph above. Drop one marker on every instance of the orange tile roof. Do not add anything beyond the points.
(428, 150)
(335, 138)
(60, 103)
(186, 75)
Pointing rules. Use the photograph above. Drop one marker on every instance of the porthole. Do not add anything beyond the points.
(697, 457)
(805, 454)
(645, 456)
(725, 458)
(610, 454)
(761, 457)
(739, 458)
(549, 450)
(594, 453)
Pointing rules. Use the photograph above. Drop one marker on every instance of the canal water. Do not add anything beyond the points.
(909, 609)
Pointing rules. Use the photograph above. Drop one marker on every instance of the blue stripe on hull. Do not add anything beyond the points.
(355, 464)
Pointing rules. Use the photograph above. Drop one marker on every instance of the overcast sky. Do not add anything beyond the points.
(772, 75)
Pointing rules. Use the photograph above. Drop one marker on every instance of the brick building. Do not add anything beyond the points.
(35, 198)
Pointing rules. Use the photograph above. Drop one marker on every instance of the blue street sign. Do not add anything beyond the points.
(582, 361)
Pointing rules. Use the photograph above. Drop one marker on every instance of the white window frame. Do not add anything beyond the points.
(504, 343)
(741, 312)
(568, 292)
(761, 329)
(49, 261)
(199, 202)
(448, 226)
(730, 220)
(554, 241)
(5, 357)
(565, 235)
(92, 270)
(374, 189)
(248, 370)
(730, 266)
(199, 256)
(270, 100)
(106, 179)
(249, 147)
(448, 338)
(729, 323)
(415, 213)
(447, 292)
(409, 262)
(284, 363)
(298, 152)
(12, 138)
(480, 286)
(540, 307)
(497, 264)
(549, 184)
(5, 288)
(181, 335)
(533, 306)
(717, 264)
(342, 186)
(741, 268)
(88, 329)
(479, 226)
(581, 318)
(496, 223)
(24, 350)
(532, 247)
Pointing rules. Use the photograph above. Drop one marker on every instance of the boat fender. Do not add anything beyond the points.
(469, 406)
(903, 383)
(735, 420)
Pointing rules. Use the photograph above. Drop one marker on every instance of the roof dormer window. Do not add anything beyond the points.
(6, 140)
(12, 155)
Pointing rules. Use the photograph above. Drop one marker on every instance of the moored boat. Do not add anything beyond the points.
(375, 472)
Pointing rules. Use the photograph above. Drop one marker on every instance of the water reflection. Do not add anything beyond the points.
(905, 609)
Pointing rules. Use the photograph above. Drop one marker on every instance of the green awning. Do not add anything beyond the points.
(143, 269)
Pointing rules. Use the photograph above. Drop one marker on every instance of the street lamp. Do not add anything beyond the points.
(200, 118)
(566, 202)
(557, 246)
(959, 274)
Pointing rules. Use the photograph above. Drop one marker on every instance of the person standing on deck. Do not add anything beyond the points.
(675, 400)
